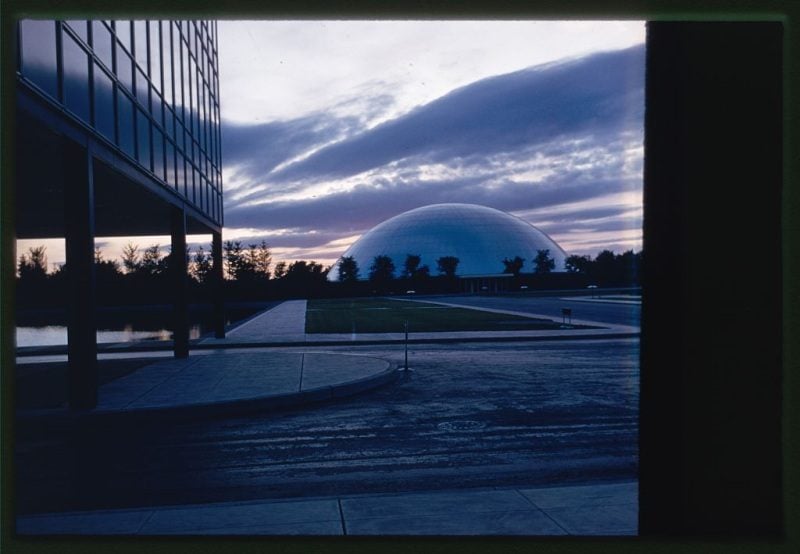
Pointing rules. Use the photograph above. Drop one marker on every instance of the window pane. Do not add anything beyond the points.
(140, 43)
(142, 87)
(187, 89)
(101, 42)
(103, 103)
(76, 78)
(197, 189)
(158, 153)
(39, 54)
(125, 121)
(124, 69)
(181, 170)
(123, 30)
(80, 29)
(177, 71)
(170, 164)
(156, 107)
(155, 55)
(166, 52)
(143, 134)
(169, 123)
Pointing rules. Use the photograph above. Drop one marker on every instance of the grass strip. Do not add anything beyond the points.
(382, 315)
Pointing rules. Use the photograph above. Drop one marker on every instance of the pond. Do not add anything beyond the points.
(124, 324)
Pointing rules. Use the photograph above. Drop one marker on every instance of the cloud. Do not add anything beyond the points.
(532, 142)
(599, 95)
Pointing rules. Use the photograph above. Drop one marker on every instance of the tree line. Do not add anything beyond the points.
(607, 269)
(142, 275)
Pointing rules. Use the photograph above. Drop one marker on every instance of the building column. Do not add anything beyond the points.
(79, 228)
(178, 264)
(218, 286)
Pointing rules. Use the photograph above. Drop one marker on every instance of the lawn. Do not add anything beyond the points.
(388, 316)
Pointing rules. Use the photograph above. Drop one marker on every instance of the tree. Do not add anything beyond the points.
(604, 266)
(382, 270)
(348, 269)
(514, 265)
(239, 265)
(261, 257)
(411, 265)
(543, 263)
(577, 264)
(33, 265)
(201, 267)
(447, 265)
(306, 278)
(153, 262)
(280, 270)
(106, 271)
(130, 258)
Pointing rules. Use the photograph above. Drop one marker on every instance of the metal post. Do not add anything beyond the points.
(79, 242)
(218, 286)
(180, 328)
(406, 360)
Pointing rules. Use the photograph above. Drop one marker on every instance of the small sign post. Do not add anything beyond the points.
(405, 326)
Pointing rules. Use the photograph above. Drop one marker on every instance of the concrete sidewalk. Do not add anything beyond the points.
(228, 383)
(606, 509)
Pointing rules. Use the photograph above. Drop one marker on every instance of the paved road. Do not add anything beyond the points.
(472, 415)
(621, 314)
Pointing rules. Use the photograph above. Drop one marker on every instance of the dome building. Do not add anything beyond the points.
(480, 237)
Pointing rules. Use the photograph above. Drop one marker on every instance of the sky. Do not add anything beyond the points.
(330, 127)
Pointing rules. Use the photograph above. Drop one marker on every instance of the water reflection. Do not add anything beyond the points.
(143, 323)
(56, 335)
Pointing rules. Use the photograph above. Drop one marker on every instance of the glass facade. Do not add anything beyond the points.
(150, 89)
(478, 236)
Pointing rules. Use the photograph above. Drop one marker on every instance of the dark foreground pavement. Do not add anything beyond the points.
(609, 509)
(519, 415)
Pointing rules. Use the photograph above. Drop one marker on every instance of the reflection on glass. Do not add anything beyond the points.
(79, 27)
(101, 42)
(170, 164)
(166, 52)
(143, 134)
(158, 153)
(142, 87)
(196, 177)
(156, 107)
(76, 78)
(187, 90)
(180, 171)
(125, 119)
(123, 30)
(140, 43)
(124, 69)
(169, 123)
(177, 71)
(103, 103)
(39, 54)
(155, 55)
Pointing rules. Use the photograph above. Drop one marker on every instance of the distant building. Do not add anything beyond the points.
(480, 237)
(117, 134)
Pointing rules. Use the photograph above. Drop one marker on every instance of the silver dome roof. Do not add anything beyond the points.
(478, 236)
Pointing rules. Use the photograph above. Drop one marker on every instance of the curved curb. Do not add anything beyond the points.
(224, 408)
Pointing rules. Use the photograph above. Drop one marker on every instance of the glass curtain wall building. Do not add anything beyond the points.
(117, 134)
(149, 88)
